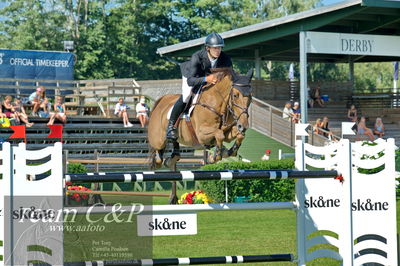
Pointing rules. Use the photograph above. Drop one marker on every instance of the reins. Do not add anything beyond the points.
(228, 110)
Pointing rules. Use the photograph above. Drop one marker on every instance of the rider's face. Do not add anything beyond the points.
(214, 51)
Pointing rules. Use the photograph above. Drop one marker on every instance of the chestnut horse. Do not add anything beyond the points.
(220, 115)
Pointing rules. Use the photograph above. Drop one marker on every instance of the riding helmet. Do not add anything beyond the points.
(214, 40)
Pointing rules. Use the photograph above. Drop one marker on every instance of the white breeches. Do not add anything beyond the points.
(186, 90)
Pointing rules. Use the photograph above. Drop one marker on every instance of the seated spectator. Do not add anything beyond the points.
(20, 111)
(310, 101)
(59, 112)
(363, 130)
(44, 109)
(352, 113)
(379, 128)
(296, 112)
(317, 126)
(121, 111)
(325, 126)
(2, 115)
(288, 112)
(266, 155)
(8, 109)
(316, 96)
(141, 112)
(36, 100)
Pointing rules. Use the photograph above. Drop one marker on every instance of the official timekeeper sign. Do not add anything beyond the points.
(45, 65)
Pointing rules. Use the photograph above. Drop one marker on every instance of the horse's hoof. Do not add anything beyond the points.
(167, 162)
(218, 158)
(158, 161)
(232, 153)
(225, 153)
(158, 165)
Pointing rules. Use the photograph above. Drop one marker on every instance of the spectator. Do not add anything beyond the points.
(266, 155)
(352, 113)
(287, 112)
(141, 112)
(318, 126)
(2, 115)
(325, 126)
(8, 109)
(296, 112)
(363, 130)
(316, 96)
(121, 111)
(20, 111)
(310, 100)
(379, 128)
(44, 108)
(36, 100)
(59, 112)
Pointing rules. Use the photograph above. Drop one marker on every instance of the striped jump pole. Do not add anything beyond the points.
(193, 176)
(187, 261)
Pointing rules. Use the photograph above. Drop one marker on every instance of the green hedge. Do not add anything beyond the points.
(258, 190)
(76, 168)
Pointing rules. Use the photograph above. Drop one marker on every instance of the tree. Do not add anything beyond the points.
(35, 24)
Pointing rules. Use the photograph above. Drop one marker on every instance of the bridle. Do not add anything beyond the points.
(245, 110)
(229, 108)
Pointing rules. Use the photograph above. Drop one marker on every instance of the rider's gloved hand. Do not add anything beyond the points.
(211, 79)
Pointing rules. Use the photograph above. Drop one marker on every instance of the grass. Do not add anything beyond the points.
(221, 233)
(255, 144)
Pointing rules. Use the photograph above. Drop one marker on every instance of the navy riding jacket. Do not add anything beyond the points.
(199, 66)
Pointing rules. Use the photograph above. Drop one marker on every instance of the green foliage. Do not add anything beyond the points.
(258, 190)
(76, 168)
(369, 76)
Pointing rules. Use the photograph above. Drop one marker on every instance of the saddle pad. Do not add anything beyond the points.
(193, 104)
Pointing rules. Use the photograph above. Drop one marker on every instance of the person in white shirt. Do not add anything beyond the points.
(121, 111)
(36, 100)
(266, 155)
(141, 112)
(288, 112)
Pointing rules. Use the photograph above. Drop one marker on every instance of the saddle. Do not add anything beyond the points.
(186, 116)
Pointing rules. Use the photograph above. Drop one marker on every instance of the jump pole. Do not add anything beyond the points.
(120, 193)
(187, 261)
(193, 176)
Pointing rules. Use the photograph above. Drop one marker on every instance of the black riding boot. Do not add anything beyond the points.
(178, 108)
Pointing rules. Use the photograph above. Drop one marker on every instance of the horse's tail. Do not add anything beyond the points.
(152, 158)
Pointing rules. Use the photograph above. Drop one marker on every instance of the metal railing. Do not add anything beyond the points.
(267, 119)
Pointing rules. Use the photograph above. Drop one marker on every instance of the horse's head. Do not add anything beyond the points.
(240, 98)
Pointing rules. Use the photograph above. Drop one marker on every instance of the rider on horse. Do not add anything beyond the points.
(196, 73)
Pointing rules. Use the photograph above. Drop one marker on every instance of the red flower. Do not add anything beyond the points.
(76, 196)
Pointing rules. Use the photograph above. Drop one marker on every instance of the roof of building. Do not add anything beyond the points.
(278, 39)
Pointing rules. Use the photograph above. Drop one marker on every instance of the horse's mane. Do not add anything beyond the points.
(222, 72)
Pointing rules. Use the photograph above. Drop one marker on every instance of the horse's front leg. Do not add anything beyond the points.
(234, 149)
(219, 139)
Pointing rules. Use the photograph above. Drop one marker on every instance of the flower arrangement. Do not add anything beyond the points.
(194, 197)
(77, 196)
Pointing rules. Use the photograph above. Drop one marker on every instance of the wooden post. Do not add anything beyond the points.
(270, 120)
(108, 101)
(96, 186)
(65, 170)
